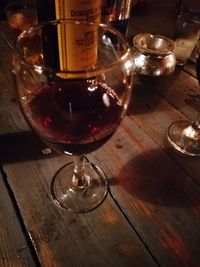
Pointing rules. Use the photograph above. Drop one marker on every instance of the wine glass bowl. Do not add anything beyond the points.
(74, 90)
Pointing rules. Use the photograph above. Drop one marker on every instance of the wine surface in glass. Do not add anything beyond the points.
(74, 116)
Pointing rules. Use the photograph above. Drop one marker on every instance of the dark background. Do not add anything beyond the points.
(2, 5)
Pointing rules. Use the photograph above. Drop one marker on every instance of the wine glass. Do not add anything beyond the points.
(184, 135)
(73, 85)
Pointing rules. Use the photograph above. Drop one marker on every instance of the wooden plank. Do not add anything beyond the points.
(178, 90)
(102, 237)
(164, 194)
(190, 68)
(159, 198)
(14, 250)
(154, 114)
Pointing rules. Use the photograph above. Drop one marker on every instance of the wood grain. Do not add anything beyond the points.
(14, 250)
(159, 198)
(100, 238)
(151, 217)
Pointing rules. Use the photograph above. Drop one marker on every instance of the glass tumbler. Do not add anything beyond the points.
(186, 35)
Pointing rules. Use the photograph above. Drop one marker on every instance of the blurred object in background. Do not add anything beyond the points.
(116, 13)
(3, 3)
(187, 31)
(140, 7)
(186, 5)
(178, 7)
(139, 2)
(192, 4)
(20, 14)
(191, 7)
(194, 54)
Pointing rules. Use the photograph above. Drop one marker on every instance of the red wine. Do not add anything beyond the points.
(74, 116)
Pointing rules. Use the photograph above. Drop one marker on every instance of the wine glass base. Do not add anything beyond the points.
(184, 138)
(79, 200)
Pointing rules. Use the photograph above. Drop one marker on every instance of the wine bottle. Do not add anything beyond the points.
(117, 13)
(45, 11)
(78, 52)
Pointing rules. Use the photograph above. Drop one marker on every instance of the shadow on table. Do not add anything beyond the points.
(153, 180)
(148, 92)
(22, 146)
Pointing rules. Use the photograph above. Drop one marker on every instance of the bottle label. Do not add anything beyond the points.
(77, 42)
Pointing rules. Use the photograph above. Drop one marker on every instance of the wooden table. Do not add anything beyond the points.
(151, 216)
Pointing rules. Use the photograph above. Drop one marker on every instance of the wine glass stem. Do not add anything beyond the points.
(79, 181)
(196, 123)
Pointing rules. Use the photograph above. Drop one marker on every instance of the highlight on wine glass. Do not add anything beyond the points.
(74, 82)
(184, 135)
(20, 15)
